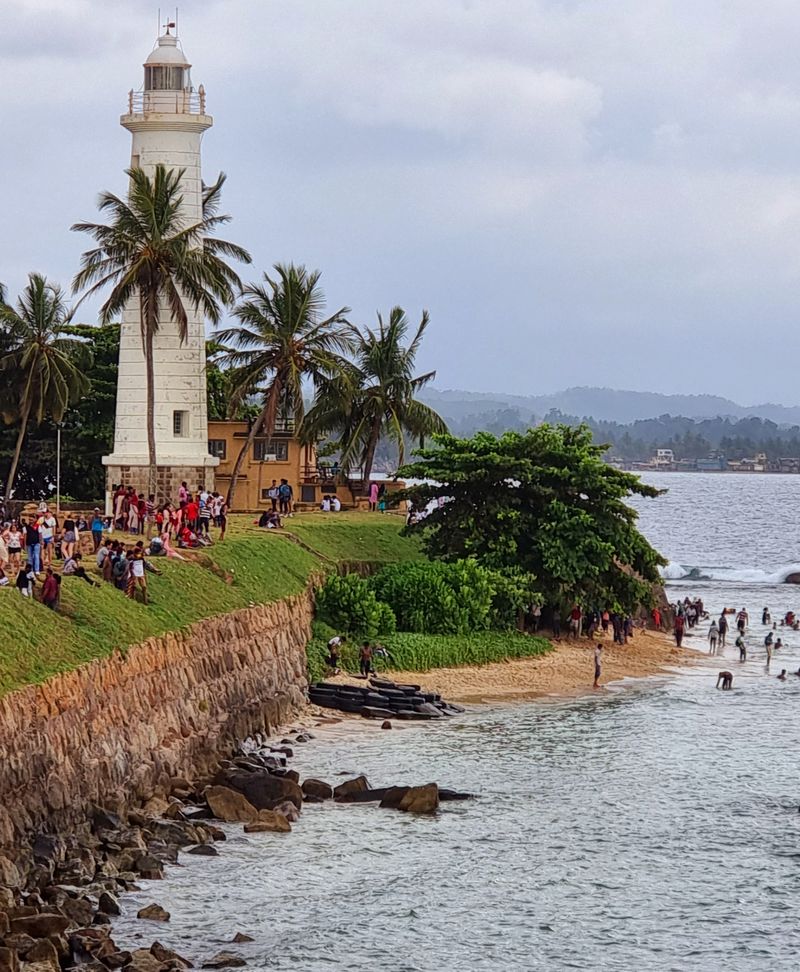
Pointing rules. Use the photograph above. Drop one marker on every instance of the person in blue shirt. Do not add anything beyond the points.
(97, 526)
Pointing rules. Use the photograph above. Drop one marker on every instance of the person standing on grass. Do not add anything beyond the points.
(205, 517)
(137, 574)
(50, 590)
(598, 659)
(15, 539)
(373, 497)
(222, 518)
(96, 526)
(274, 495)
(365, 659)
(183, 493)
(47, 535)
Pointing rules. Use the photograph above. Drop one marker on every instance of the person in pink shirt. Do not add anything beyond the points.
(373, 497)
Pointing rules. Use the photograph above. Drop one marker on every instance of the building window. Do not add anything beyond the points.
(167, 77)
(180, 424)
(218, 448)
(264, 451)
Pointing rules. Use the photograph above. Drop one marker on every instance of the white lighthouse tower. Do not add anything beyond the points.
(166, 119)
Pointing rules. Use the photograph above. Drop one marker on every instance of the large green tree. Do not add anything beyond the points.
(43, 368)
(150, 252)
(281, 340)
(377, 398)
(543, 502)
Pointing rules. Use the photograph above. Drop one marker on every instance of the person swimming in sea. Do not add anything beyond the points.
(782, 676)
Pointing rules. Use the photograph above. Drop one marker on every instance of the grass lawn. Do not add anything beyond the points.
(250, 566)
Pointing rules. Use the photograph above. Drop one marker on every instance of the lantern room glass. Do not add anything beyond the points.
(164, 77)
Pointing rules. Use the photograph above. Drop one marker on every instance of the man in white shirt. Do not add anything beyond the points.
(47, 533)
(336, 504)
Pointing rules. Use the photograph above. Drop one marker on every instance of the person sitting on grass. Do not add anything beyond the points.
(73, 567)
(26, 579)
(4, 581)
(50, 590)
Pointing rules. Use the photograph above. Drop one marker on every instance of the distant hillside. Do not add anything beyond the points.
(603, 404)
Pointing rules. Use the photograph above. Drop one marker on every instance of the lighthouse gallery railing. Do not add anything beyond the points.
(184, 102)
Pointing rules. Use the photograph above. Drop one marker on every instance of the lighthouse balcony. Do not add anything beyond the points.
(187, 101)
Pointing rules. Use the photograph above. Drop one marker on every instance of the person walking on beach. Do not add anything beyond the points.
(679, 626)
(713, 635)
(723, 630)
(598, 658)
(575, 621)
(742, 648)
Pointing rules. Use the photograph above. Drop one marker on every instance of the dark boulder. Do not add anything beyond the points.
(357, 785)
(317, 789)
(265, 791)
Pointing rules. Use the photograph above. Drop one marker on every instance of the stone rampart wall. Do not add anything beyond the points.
(113, 732)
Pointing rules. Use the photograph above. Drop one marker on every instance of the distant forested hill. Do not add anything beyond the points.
(603, 404)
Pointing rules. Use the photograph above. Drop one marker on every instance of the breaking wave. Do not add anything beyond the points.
(674, 571)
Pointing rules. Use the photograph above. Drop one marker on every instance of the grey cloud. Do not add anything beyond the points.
(581, 193)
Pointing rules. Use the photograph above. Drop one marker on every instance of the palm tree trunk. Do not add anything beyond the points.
(151, 430)
(369, 455)
(265, 420)
(12, 473)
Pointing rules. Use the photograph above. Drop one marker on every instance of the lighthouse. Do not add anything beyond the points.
(166, 118)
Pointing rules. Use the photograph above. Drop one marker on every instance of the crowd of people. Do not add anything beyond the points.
(30, 547)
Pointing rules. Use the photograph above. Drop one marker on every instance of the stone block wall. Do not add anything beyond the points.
(113, 732)
(168, 479)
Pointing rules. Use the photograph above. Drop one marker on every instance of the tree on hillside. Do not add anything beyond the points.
(378, 398)
(42, 367)
(280, 341)
(148, 251)
(543, 502)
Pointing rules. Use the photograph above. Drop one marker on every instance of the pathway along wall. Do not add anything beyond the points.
(113, 732)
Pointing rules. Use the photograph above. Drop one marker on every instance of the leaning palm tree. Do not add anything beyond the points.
(280, 341)
(150, 252)
(43, 367)
(378, 401)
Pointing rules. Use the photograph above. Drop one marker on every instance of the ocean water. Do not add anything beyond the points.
(652, 826)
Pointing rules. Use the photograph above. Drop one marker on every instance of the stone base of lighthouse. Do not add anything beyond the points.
(168, 480)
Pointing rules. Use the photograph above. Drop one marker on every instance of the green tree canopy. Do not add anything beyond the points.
(280, 340)
(543, 502)
(377, 397)
(42, 367)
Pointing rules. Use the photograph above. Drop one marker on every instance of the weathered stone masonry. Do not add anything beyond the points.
(114, 732)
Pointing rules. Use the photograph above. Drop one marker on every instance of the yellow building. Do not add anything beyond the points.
(282, 457)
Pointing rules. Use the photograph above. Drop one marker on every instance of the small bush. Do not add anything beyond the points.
(437, 598)
(349, 605)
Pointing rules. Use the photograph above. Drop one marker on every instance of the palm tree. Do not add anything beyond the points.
(45, 368)
(149, 251)
(281, 341)
(378, 399)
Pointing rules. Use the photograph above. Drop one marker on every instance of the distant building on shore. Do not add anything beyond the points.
(715, 462)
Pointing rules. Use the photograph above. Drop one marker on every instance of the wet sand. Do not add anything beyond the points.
(568, 670)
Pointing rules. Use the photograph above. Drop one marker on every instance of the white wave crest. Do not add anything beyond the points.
(747, 575)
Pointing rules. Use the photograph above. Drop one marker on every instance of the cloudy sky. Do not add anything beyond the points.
(597, 193)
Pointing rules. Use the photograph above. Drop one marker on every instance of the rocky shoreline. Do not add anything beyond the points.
(60, 892)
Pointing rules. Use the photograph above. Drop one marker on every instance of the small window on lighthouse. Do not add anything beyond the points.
(180, 424)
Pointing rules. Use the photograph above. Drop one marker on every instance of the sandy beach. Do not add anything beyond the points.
(567, 670)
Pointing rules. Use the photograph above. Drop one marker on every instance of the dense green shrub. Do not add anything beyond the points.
(514, 593)
(437, 598)
(419, 652)
(349, 605)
